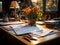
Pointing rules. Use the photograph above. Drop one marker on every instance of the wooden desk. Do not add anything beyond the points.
(18, 40)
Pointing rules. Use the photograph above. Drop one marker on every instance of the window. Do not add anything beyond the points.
(1, 9)
(40, 3)
(47, 5)
(51, 5)
(0, 6)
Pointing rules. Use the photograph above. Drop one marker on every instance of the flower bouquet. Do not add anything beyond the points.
(32, 14)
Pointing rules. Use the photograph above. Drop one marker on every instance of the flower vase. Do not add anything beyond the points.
(32, 22)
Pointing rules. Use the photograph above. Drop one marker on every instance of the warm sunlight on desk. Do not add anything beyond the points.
(39, 34)
(37, 40)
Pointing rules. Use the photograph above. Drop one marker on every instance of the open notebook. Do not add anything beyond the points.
(22, 29)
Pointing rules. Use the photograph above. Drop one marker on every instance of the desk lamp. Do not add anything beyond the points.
(14, 5)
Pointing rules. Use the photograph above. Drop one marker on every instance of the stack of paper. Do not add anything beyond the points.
(10, 23)
(21, 29)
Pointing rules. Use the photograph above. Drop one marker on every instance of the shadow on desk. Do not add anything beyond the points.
(7, 39)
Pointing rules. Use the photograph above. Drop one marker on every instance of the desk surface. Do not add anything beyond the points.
(38, 40)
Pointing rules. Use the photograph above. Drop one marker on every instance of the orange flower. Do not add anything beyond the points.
(26, 11)
(32, 10)
(31, 13)
(36, 8)
(23, 11)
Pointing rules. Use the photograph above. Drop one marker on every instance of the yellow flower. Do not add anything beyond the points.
(32, 13)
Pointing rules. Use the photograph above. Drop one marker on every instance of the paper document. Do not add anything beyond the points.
(21, 29)
(39, 22)
(9, 23)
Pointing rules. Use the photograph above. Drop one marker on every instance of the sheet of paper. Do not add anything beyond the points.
(10, 23)
(39, 22)
(22, 29)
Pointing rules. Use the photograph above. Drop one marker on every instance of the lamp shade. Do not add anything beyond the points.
(14, 4)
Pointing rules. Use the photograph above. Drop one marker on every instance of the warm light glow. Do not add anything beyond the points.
(34, 42)
(38, 0)
(14, 4)
(34, 1)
